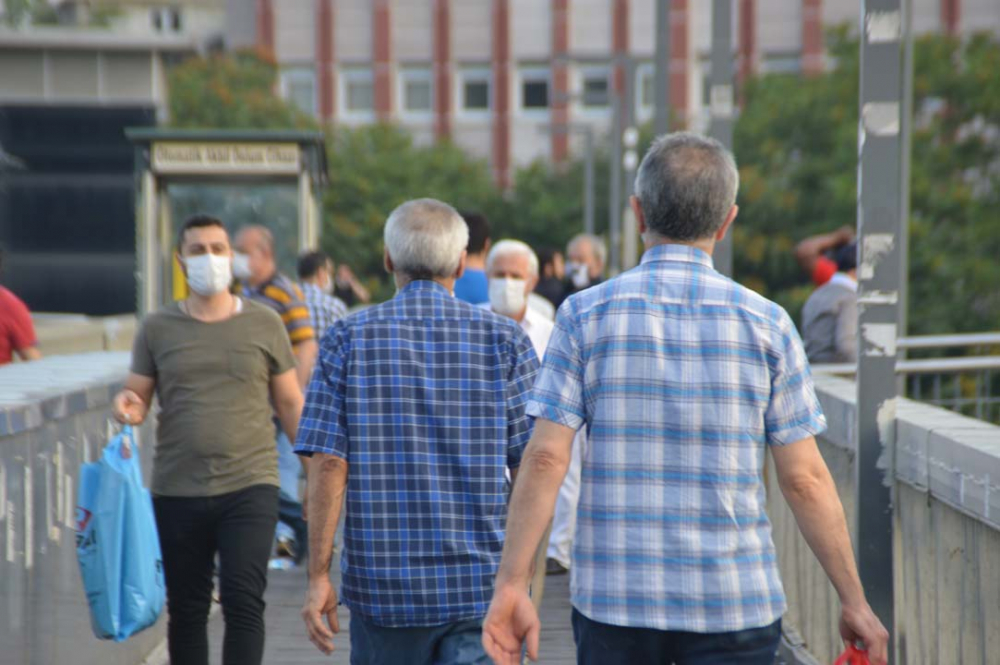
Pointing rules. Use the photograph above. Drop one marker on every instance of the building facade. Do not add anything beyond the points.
(496, 75)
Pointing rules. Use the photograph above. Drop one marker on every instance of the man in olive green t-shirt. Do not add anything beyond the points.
(216, 362)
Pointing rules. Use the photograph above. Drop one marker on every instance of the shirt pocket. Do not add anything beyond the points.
(245, 365)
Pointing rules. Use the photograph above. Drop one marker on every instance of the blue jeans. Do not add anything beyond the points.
(602, 644)
(458, 643)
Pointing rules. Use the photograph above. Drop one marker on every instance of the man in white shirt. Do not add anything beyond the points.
(830, 315)
(512, 271)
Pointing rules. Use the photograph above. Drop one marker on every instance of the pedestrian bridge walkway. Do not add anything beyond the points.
(287, 643)
(944, 468)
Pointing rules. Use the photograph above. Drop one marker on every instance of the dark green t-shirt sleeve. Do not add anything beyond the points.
(143, 362)
(280, 357)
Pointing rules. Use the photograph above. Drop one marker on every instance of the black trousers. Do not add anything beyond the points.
(239, 527)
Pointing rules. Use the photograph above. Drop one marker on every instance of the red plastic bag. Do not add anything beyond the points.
(853, 656)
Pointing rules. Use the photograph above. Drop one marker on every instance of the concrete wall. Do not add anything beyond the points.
(53, 418)
(62, 334)
(947, 548)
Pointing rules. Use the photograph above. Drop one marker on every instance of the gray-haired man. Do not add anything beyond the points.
(423, 398)
(683, 379)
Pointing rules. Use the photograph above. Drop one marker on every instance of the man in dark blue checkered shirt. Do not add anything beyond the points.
(417, 410)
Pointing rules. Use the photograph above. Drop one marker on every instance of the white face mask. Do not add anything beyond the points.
(241, 266)
(507, 295)
(578, 274)
(208, 274)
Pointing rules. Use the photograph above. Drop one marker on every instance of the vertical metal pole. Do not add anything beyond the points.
(615, 200)
(661, 69)
(722, 104)
(879, 224)
(588, 180)
(630, 232)
(906, 126)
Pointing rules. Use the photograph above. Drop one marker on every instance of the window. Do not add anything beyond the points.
(535, 89)
(357, 96)
(298, 86)
(165, 19)
(595, 90)
(474, 91)
(416, 91)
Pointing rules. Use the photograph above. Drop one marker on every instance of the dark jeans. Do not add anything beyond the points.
(601, 644)
(239, 527)
(458, 643)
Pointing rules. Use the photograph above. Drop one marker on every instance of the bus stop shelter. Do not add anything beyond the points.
(271, 178)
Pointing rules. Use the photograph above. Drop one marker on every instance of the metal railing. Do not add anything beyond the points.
(968, 384)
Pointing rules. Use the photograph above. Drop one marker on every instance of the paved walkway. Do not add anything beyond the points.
(287, 643)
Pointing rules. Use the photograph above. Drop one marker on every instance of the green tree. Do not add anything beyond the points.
(372, 170)
(796, 142)
(230, 91)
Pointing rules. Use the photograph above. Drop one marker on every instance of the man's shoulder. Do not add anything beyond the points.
(10, 302)
(282, 290)
(258, 311)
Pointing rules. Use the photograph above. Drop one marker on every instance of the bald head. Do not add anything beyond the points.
(257, 243)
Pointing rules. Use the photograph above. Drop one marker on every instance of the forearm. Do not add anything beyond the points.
(326, 488)
(531, 506)
(305, 356)
(820, 517)
(289, 411)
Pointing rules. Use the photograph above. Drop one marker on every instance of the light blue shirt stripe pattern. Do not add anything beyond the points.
(425, 397)
(682, 377)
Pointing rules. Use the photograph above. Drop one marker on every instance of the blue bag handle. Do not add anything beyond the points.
(122, 453)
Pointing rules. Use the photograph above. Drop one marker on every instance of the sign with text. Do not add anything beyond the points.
(183, 158)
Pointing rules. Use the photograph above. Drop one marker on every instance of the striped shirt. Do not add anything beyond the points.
(682, 377)
(284, 296)
(424, 395)
(323, 308)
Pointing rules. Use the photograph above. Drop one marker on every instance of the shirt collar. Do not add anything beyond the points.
(843, 279)
(424, 285)
(681, 253)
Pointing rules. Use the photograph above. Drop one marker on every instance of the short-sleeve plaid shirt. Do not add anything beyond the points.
(682, 378)
(323, 308)
(425, 397)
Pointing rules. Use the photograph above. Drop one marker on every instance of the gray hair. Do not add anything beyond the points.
(505, 247)
(686, 186)
(597, 246)
(425, 239)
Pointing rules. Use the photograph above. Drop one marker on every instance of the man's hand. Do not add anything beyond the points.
(129, 408)
(861, 625)
(321, 603)
(510, 622)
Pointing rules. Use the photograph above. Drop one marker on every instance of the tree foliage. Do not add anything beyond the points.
(795, 140)
(230, 91)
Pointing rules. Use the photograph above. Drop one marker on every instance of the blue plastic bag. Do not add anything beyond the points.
(117, 544)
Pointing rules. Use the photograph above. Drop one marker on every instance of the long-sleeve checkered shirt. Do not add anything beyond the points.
(424, 395)
(682, 378)
(323, 308)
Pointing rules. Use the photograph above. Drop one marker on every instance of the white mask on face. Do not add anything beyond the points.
(208, 274)
(241, 266)
(578, 274)
(507, 296)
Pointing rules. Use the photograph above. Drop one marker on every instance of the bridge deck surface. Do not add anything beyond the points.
(287, 643)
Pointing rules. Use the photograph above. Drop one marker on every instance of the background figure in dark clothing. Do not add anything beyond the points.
(552, 272)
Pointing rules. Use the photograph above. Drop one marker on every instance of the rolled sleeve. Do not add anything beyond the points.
(323, 426)
(522, 376)
(558, 393)
(794, 412)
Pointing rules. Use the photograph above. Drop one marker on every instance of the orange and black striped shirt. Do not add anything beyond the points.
(284, 296)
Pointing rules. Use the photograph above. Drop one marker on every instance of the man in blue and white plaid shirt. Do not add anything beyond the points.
(684, 380)
(315, 270)
(417, 410)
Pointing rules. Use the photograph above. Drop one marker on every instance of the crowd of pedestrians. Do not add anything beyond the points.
(505, 415)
